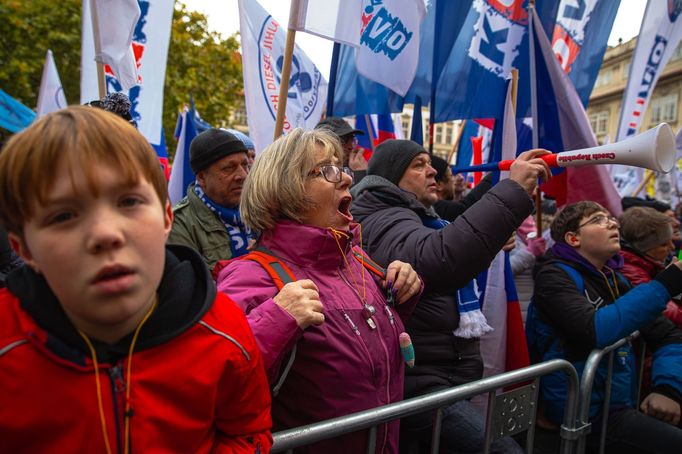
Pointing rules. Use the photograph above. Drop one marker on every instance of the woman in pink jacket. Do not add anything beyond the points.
(330, 339)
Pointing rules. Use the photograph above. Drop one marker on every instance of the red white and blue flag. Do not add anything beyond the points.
(504, 348)
(150, 41)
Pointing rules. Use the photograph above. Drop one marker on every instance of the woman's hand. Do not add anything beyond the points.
(301, 299)
(403, 281)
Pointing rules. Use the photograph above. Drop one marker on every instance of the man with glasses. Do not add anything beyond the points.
(582, 302)
(208, 219)
(352, 155)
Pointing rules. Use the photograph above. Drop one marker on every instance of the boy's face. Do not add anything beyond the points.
(102, 255)
(597, 236)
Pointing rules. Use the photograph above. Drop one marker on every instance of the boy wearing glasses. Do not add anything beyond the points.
(582, 302)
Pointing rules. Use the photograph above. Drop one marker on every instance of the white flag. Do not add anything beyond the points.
(389, 42)
(262, 58)
(51, 96)
(151, 39)
(659, 35)
(338, 20)
(116, 21)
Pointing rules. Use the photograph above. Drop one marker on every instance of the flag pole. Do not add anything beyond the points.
(434, 78)
(286, 72)
(101, 81)
(534, 109)
(460, 132)
(332, 79)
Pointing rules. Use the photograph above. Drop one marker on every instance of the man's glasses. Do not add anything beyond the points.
(601, 220)
(331, 173)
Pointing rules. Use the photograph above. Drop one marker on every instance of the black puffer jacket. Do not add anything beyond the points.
(446, 259)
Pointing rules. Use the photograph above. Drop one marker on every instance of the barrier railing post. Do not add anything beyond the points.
(435, 434)
(372, 440)
(607, 404)
(586, 384)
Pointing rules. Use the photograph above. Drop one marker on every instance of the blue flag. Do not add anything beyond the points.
(417, 132)
(579, 40)
(200, 124)
(14, 116)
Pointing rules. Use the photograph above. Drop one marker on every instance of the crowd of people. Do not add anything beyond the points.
(305, 285)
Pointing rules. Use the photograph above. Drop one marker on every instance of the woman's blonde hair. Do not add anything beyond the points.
(275, 187)
(83, 137)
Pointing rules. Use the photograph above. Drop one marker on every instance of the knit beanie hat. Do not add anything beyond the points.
(441, 166)
(391, 158)
(212, 145)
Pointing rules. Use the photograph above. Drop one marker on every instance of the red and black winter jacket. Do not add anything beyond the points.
(197, 379)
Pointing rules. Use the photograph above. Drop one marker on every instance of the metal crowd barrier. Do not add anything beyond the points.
(587, 382)
(508, 413)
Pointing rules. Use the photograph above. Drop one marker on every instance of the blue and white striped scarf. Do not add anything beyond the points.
(240, 235)
(472, 322)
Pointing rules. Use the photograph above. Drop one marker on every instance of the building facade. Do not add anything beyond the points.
(604, 107)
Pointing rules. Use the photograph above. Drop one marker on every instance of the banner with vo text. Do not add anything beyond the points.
(262, 60)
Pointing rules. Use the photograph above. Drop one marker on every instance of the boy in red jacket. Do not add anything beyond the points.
(109, 340)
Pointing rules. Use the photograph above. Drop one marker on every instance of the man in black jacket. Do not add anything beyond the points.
(394, 204)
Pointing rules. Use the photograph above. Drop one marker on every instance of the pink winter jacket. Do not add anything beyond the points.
(341, 366)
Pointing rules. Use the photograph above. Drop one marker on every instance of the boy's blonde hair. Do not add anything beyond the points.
(275, 187)
(81, 136)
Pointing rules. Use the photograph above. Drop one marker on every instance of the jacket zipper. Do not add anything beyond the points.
(118, 388)
(387, 356)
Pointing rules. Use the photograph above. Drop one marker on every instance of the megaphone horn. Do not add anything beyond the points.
(653, 149)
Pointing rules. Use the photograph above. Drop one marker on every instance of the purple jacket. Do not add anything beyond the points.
(341, 366)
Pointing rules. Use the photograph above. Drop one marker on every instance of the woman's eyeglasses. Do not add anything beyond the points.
(331, 173)
(601, 220)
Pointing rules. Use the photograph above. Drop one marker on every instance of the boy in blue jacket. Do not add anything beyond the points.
(581, 302)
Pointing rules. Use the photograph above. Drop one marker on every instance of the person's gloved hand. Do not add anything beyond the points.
(536, 246)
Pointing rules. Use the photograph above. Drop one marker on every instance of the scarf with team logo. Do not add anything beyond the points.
(472, 322)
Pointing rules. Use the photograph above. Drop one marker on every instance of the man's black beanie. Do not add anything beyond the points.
(391, 158)
(212, 145)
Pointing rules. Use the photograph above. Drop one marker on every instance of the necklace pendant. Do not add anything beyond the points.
(371, 323)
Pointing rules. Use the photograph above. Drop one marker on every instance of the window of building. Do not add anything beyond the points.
(438, 138)
(626, 71)
(600, 122)
(604, 77)
(405, 123)
(664, 108)
(448, 133)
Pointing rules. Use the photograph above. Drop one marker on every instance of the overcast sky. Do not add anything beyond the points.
(223, 16)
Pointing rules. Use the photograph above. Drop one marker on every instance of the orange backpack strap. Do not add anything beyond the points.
(278, 271)
(368, 263)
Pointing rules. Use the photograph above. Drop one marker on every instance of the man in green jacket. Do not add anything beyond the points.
(207, 219)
